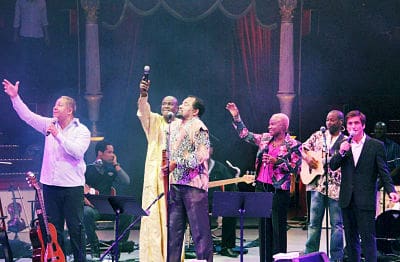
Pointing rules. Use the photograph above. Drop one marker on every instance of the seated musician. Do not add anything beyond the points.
(102, 177)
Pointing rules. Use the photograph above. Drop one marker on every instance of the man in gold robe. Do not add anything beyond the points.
(153, 230)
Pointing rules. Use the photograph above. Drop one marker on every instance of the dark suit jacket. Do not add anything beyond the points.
(360, 182)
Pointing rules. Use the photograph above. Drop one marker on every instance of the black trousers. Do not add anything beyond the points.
(65, 204)
(273, 231)
(189, 204)
(228, 232)
(359, 231)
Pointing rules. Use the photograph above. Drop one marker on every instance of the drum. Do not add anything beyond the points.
(388, 232)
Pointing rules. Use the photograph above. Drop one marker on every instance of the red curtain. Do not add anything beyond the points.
(253, 74)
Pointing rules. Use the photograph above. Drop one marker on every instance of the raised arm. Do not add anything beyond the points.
(240, 127)
(144, 109)
(38, 122)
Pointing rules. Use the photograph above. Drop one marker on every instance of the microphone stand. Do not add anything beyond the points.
(326, 200)
(166, 183)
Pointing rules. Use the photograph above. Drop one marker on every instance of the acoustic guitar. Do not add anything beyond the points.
(307, 174)
(246, 178)
(46, 232)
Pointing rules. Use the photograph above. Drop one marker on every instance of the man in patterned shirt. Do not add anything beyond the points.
(189, 153)
(314, 150)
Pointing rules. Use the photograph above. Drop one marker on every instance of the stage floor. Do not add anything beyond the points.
(296, 240)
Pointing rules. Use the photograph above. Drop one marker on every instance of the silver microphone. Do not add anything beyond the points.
(146, 72)
(170, 115)
(322, 129)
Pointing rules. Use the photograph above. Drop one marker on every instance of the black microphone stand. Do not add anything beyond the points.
(167, 189)
(325, 153)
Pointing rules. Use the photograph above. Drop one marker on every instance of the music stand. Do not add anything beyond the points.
(117, 205)
(242, 204)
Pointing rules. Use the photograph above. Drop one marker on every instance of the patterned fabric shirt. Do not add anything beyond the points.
(288, 156)
(316, 144)
(189, 143)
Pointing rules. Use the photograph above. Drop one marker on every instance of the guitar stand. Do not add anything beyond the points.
(118, 205)
(242, 204)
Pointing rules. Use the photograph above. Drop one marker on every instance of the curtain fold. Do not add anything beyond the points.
(256, 66)
(194, 10)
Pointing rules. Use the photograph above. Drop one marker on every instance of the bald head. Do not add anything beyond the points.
(283, 119)
(169, 104)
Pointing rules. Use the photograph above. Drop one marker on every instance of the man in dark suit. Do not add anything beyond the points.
(362, 160)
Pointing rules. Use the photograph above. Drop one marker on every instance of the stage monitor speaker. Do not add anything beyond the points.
(312, 257)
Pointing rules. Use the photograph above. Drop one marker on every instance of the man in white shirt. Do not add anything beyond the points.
(63, 166)
(362, 160)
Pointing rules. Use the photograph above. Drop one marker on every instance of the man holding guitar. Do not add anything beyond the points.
(312, 174)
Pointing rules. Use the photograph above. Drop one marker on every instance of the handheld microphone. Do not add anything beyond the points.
(322, 129)
(146, 72)
(350, 137)
(53, 122)
(170, 115)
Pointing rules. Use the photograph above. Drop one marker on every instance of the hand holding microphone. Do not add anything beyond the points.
(267, 159)
(52, 128)
(346, 145)
(146, 72)
(145, 83)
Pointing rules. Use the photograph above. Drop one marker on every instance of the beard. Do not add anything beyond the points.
(334, 129)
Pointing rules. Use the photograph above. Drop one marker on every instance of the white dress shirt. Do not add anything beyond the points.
(356, 148)
(63, 157)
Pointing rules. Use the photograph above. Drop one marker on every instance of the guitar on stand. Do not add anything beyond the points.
(46, 233)
(8, 256)
(308, 174)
